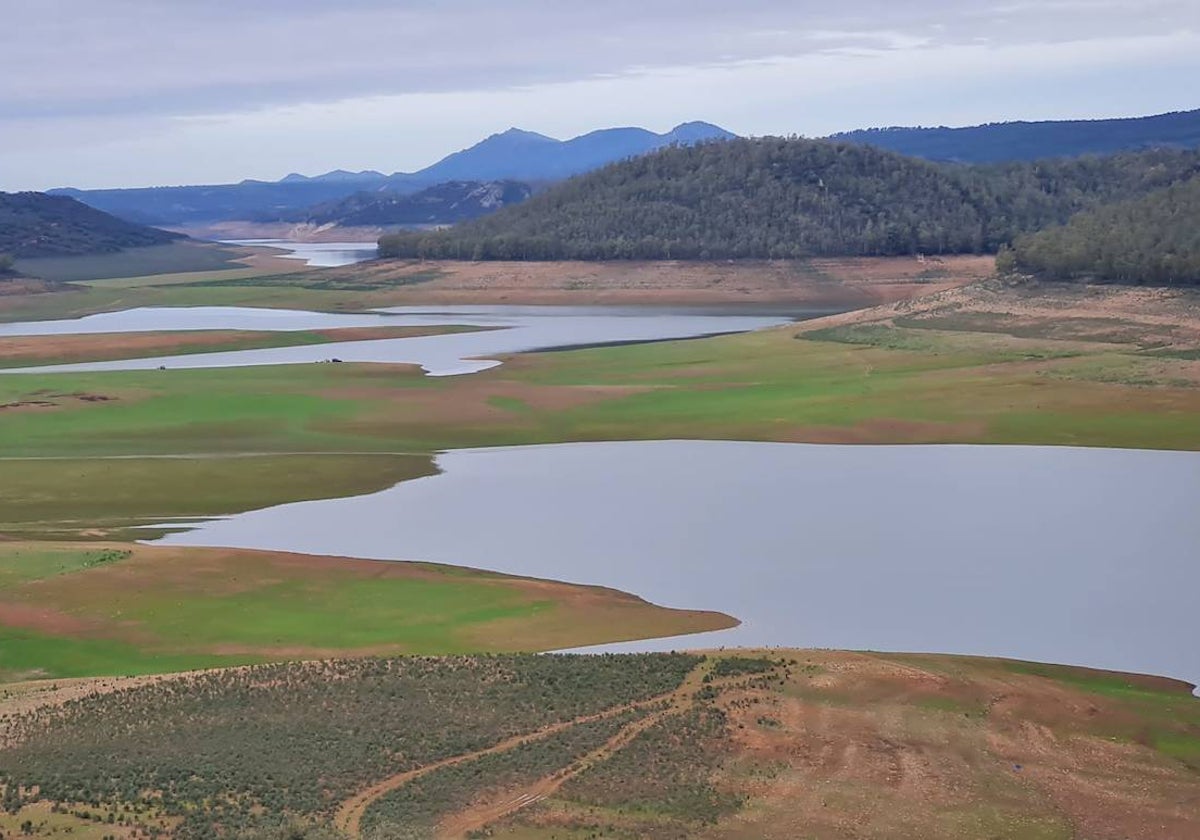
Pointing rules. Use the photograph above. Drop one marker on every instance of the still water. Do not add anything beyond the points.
(317, 254)
(1078, 556)
(510, 329)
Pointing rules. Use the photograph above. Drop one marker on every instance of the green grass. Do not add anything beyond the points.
(24, 653)
(65, 497)
(75, 610)
(331, 612)
(39, 562)
(761, 386)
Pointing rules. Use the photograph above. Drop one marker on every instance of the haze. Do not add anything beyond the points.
(138, 92)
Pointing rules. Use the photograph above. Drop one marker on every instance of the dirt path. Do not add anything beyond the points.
(502, 805)
(348, 818)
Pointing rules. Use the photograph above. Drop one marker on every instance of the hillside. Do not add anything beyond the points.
(772, 745)
(1152, 240)
(38, 225)
(788, 198)
(453, 201)
(1026, 141)
(511, 155)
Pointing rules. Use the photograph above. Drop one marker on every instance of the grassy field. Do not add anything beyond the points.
(820, 382)
(115, 608)
(90, 498)
(779, 744)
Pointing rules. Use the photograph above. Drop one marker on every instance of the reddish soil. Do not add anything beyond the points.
(48, 349)
(825, 282)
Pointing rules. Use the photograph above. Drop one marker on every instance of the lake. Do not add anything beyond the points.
(510, 329)
(317, 254)
(1077, 556)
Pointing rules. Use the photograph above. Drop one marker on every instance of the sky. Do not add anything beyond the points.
(110, 93)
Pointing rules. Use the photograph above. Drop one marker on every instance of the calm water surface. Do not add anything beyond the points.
(514, 329)
(1080, 556)
(317, 254)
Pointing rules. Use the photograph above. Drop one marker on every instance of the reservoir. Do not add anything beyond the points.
(506, 329)
(317, 254)
(1065, 555)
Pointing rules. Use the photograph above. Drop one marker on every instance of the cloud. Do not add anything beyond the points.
(150, 91)
(166, 58)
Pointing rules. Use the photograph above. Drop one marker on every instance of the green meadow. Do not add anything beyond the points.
(78, 610)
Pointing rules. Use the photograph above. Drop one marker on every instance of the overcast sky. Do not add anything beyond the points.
(144, 92)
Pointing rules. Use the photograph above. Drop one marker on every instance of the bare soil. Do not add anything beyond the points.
(47, 349)
(1154, 318)
(816, 283)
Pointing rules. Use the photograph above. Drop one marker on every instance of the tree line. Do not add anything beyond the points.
(1153, 240)
(786, 198)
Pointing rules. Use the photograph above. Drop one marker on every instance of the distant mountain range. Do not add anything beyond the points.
(514, 155)
(453, 201)
(1023, 141)
(38, 225)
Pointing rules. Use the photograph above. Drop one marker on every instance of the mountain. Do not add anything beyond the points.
(38, 225)
(337, 176)
(513, 155)
(526, 156)
(453, 201)
(1033, 140)
(788, 198)
(1154, 240)
(256, 200)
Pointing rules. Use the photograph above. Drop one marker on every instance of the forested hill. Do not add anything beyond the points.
(1035, 140)
(1152, 240)
(38, 225)
(788, 198)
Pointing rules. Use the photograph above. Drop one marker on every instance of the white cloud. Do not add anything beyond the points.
(142, 91)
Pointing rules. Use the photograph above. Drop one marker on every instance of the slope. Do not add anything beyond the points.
(38, 225)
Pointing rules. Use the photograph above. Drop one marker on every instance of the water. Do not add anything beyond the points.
(317, 254)
(512, 329)
(1077, 556)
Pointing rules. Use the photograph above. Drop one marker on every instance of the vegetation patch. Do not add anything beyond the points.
(414, 810)
(251, 748)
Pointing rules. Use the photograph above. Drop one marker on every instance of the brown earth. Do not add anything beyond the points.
(1150, 318)
(816, 283)
(298, 232)
(851, 745)
(92, 347)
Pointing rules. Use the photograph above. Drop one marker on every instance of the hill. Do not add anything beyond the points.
(659, 746)
(38, 225)
(774, 198)
(1152, 240)
(453, 201)
(511, 155)
(1008, 141)
(257, 200)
